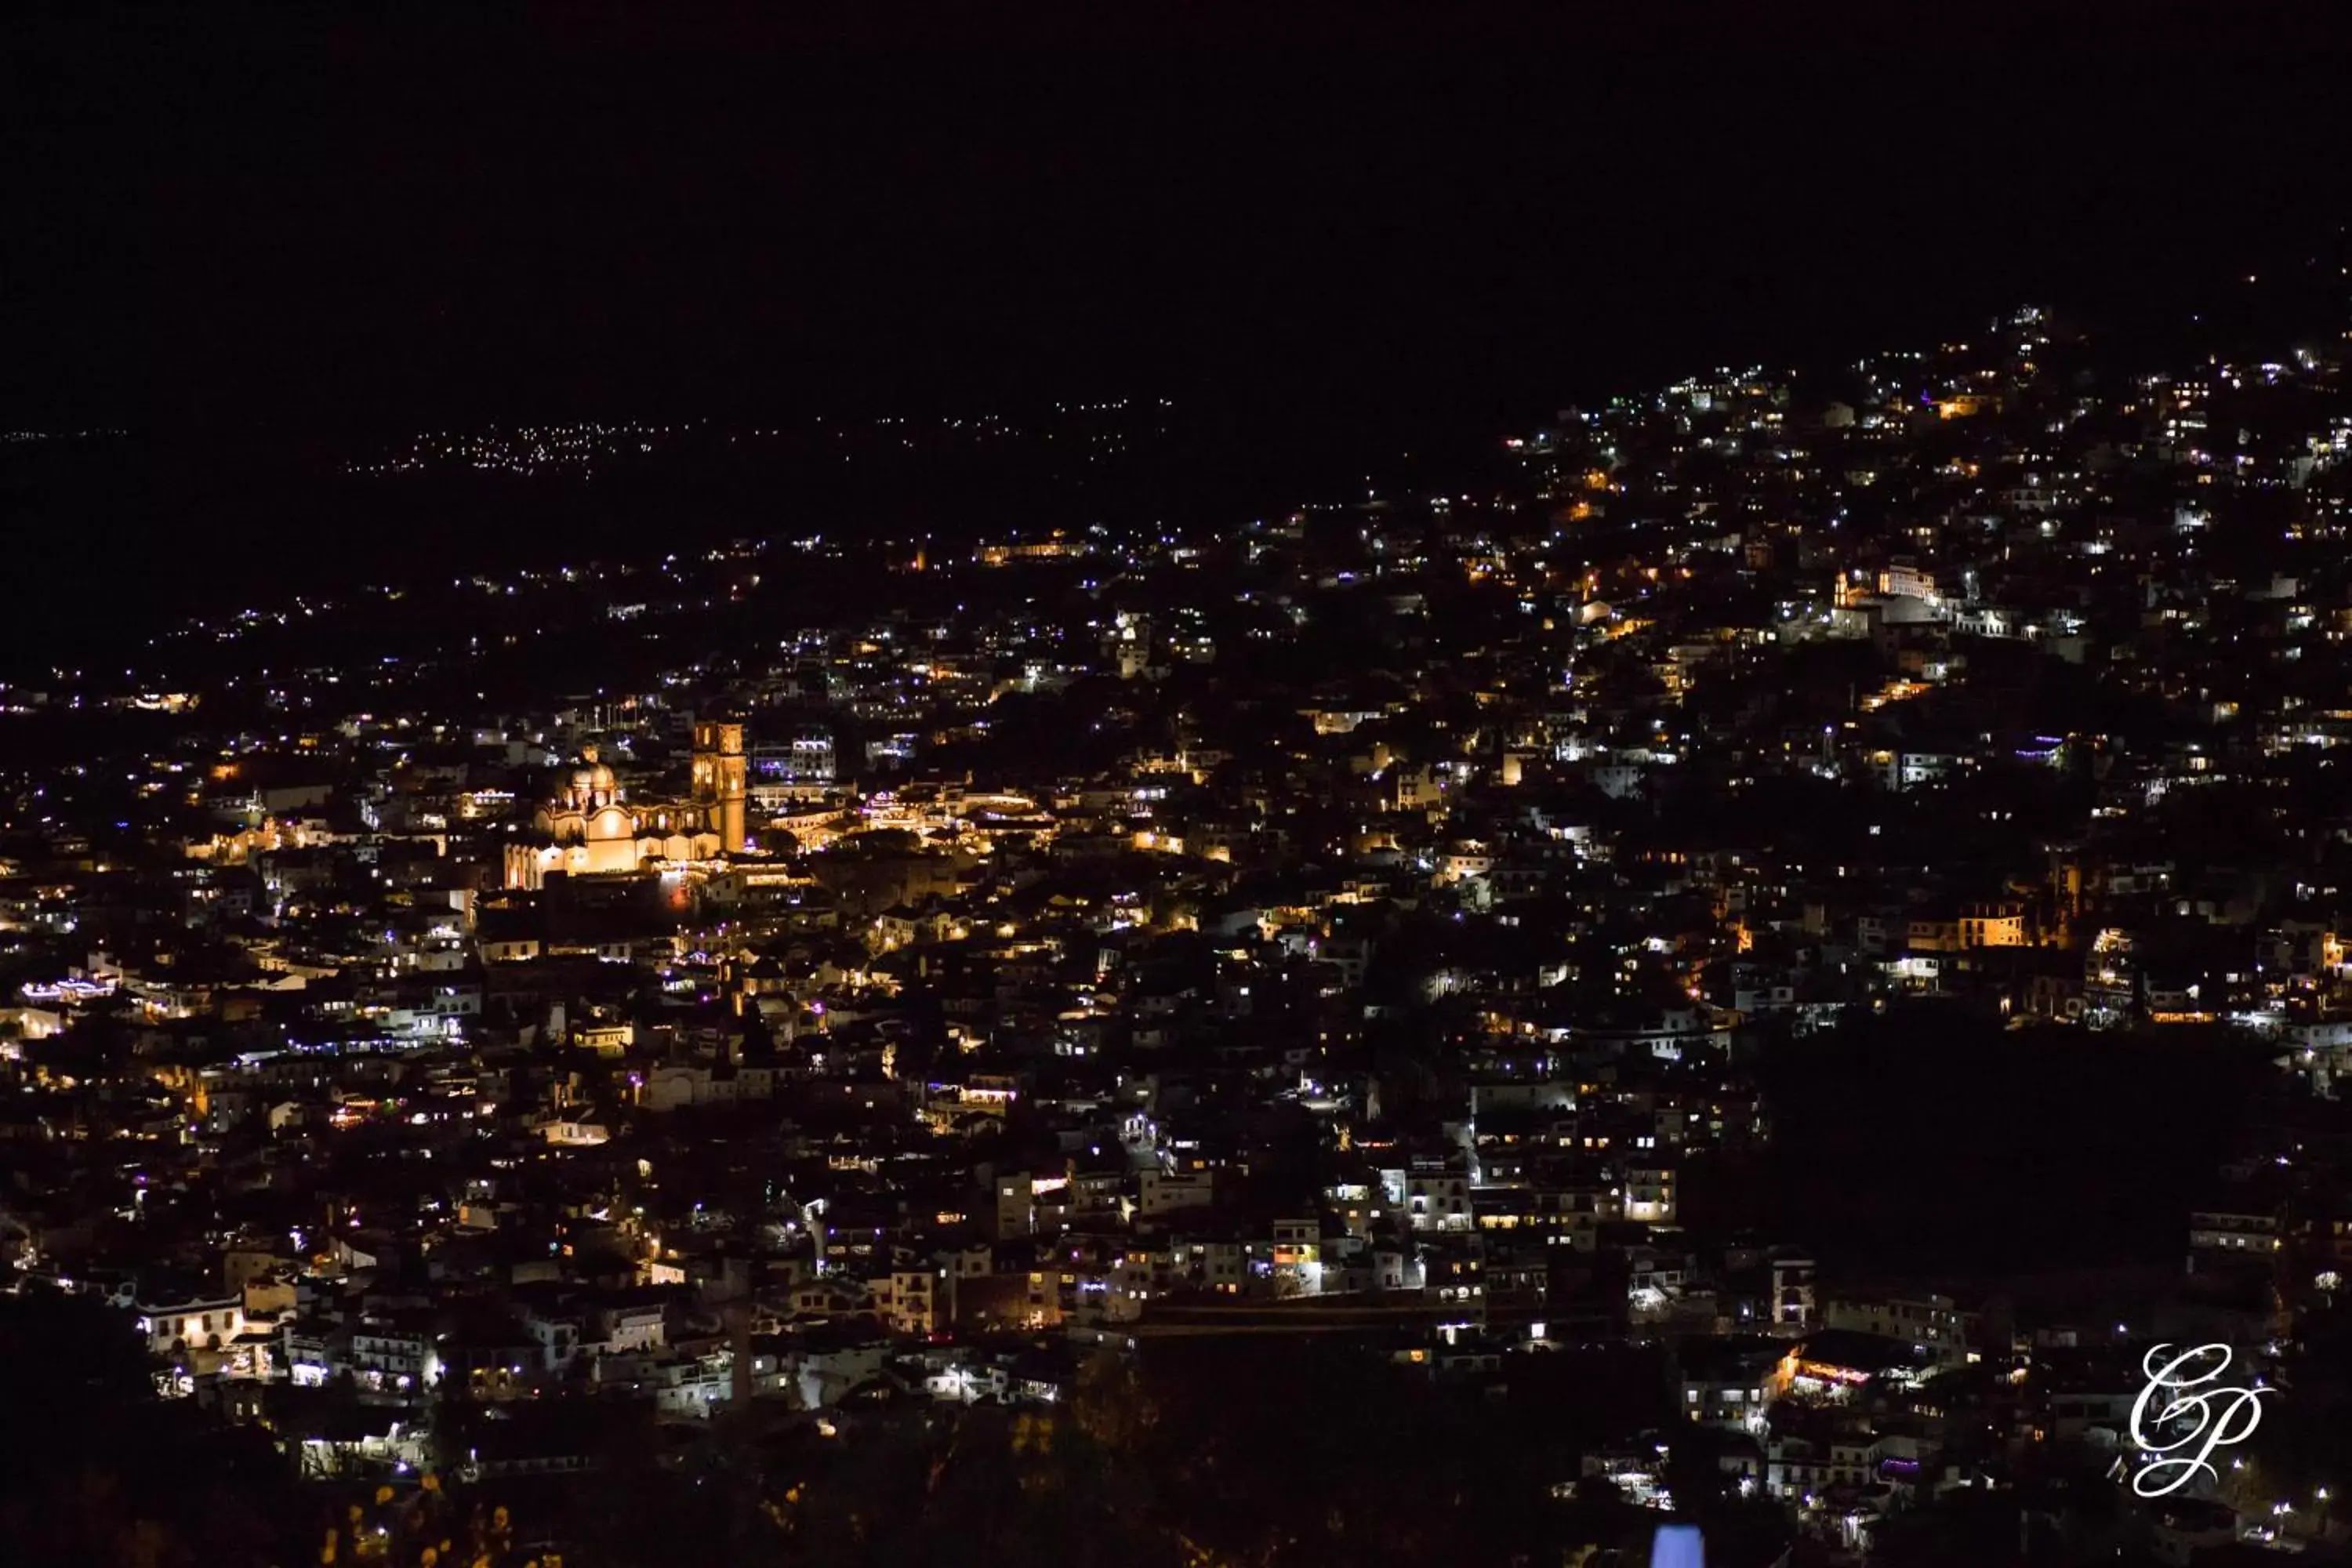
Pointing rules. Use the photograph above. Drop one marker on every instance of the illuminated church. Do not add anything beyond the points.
(589, 828)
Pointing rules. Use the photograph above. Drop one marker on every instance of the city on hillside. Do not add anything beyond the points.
(1742, 972)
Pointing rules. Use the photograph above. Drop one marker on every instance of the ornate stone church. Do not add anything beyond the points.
(591, 829)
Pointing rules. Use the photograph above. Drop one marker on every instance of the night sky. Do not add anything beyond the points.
(262, 238)
(1353, 216)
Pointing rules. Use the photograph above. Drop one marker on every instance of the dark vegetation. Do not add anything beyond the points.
(1924, 1140)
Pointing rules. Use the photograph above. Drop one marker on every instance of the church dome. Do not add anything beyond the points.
(592, 777)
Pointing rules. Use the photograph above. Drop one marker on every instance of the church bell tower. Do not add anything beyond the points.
(718, 780)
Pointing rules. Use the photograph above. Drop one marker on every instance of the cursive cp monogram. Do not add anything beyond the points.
(2182, 1398)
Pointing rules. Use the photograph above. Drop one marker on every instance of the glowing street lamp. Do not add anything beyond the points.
(1677, 1546)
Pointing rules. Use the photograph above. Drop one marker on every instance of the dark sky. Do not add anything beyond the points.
(322, 215)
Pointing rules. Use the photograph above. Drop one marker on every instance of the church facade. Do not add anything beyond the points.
(590, 829)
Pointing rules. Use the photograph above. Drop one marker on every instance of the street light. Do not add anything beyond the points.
(1677, 1546)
